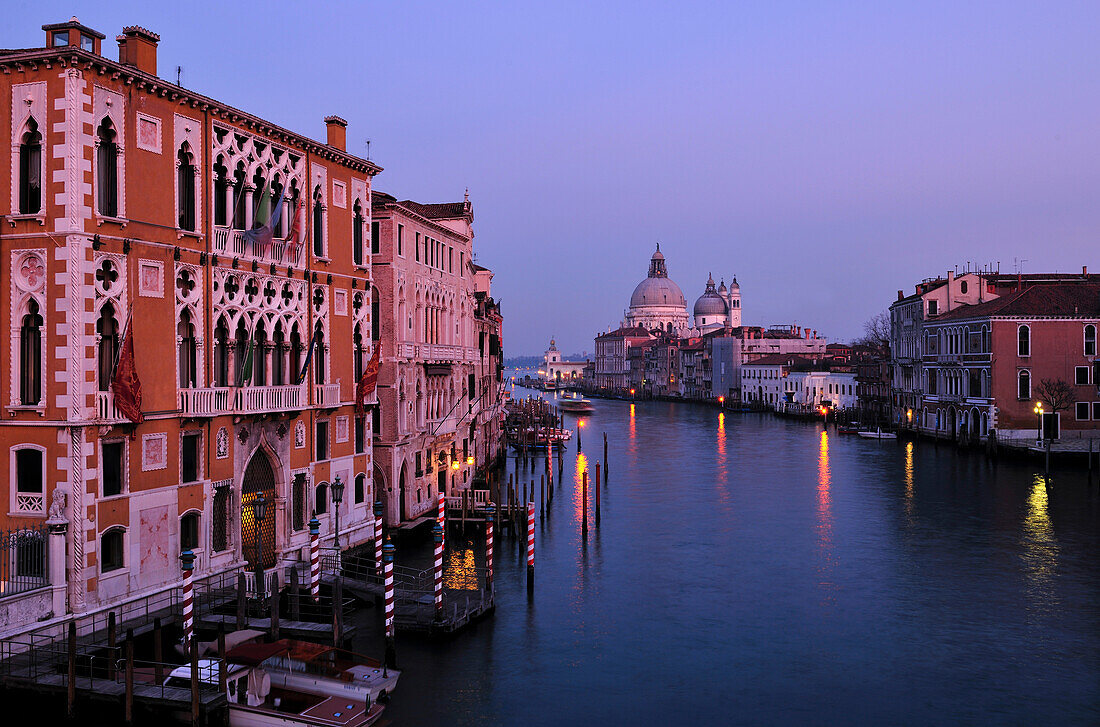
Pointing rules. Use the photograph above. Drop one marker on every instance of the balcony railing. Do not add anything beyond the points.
(234, 242)
(212, 401)
(326, 394)
(437, 352)
(105, 407)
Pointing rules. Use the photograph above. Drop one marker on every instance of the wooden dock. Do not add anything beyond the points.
(297, 629)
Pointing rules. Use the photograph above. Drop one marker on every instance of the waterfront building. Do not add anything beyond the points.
(987, 365)
(730, 351)
(796, 384)
(554, 368)
(612, 370)
(440, 334)
(157, 235)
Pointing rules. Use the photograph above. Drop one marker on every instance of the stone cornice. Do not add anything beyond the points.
(31, 60)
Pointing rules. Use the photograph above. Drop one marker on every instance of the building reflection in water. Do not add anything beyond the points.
(460, 571)
(1039, 548)
(825, 522)
(909, 479)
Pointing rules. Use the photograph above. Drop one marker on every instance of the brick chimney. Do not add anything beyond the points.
(337, 132)
(900, 295)
(137, 47)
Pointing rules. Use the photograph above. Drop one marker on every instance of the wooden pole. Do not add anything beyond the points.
(597, 483)
(158, 651)
(112, 643)
(242, 602)
(542, 498)
(129, 676)
(295, 596)
(72, 671)
(338, 611)
(530, 550)
(275, 605)
(584, 505)
(605, 455)
(193, 647)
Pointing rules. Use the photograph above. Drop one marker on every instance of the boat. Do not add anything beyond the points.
(254, 701)
(319, 669)
(878, 434)
(575, 404)
(542, 437)
(848, 429)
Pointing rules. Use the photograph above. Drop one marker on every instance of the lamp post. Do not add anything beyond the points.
(1039, 423)
(259, 512)
(722, 402)
(580, 426)
(632, 395)
(337, 488)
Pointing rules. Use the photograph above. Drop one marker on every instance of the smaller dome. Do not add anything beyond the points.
(722, 288)
(734, 285)
(710, 303)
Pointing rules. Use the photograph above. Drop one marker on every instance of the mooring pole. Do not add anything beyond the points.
(315, 558)
(605, 455)
(129, 676)
(158, 651)
(530, 549)
(294, 596)
(187, 560)
(387, 579)
(275, 605)
(338, 611)
(489, 548)
(584, 504)
(193, 648)
(222, 675)
(242, 602)
(597, 484)
(378, 509)
(112, 642)
(542, 498)
(437, 536)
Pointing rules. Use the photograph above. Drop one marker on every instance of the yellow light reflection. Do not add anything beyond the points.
(1040, 547)
(909, 478)
(578, 486)
(722, 469)
(459, 571)
(825, 522)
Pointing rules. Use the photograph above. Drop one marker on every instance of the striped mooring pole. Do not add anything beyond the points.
(437, 534)
(441, 517)
(378, 507)
(530, 549)
(489, 516)
(314, 558)
(187, 560)
(387, 579)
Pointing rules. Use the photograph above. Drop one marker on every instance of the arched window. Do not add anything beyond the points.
(30, 170)
(360, 488)
(1023, 339)
(1023, 389)
(107, 328)
(221, 192)
(111, 550)
(292, 208)
(238, 197)
(276, 190)
(320, 498)
(357, 233)
(295, 355)
(963, 287)
(185, 180)
(375, 318)
(189, 532)
(107, 169)
(221, 354)
(278, 367)
(1090, 340)
(29, 479)
(30, 356)
(358, 363)
(241, 351)
(318, 223)
(259, 356)
(185, 332)
(261, 200)
(319, 356)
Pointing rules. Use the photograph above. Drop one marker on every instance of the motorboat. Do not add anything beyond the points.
(575, 404)
(254, 701)
(848, 429)
(878, 434)
(319, 669)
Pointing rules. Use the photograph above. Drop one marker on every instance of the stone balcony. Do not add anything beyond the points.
(212, 401)
(235, 244)
(436, 352)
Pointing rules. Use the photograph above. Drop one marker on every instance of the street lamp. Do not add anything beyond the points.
(259, 512)
(722, 401)
(580, 426)
(909, 416)
(632, 394)
(337, 488)
(1039, 424)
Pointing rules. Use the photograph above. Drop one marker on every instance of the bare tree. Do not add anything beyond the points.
(1056, 394)
(876, 332)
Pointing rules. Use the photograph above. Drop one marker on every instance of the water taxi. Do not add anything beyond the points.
(575, 404)
(878, 434)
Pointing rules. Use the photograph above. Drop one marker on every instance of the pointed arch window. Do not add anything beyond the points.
(238, 197)
(30, 356)
(276, 190)
(221, 193)
(185, 181)
(295, 355)
(358, 352)
(1090, 340)
(241, 352)
(259, 357)
(30, 170)
(278, 366)
(318, 223)
(107, 169)
(221, 354)
(188, 358)
(107, 329)
(261, 202)
(319, 356)
(357, 232)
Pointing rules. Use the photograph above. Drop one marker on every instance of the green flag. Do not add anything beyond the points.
(246, 366)
(263, 208)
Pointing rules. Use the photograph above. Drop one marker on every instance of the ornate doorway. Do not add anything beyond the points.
(259, 479)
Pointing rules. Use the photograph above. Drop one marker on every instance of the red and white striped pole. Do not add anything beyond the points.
(490, 515)
(437, 532)
(530, 549)
(187, 559)
(441, 517)
(387, 580)
(315, 558)
(378, 507)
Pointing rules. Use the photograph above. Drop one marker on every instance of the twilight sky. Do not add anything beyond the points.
(827, 154)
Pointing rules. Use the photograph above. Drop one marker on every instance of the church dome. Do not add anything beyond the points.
(657, 289)
(710, 303)
(734, 286)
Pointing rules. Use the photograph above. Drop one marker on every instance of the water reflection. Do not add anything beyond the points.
(460, 572)
(722, 462)
(909, 479)
(1039, 547)
(825, 523)
(578, 486)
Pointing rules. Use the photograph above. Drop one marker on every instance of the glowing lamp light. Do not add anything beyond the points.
(454, 465)
(823, 411)
(470, 460)
(721, 400)
(909, 415)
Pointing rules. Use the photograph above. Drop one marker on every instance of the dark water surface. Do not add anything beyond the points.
(753, 570)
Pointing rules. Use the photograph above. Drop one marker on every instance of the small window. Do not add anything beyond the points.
(1090, 340)
(1023, 339)
(933, 307)
(1023, 390)
(1081, 375)
(110, 552)
(417, 246)
(962, 287)
(87, 43)
(376, 237)
(320, 499)
(360, 488)
(1096, 410)
(189, 531)
(60, 38)
(322, 441)
(189, 457)
(401, 240)
(1082, 411)
(360, 435)
(112, 467)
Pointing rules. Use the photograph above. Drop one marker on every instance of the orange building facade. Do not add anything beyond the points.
(128, 204)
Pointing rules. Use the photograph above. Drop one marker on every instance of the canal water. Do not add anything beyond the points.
(753, 570)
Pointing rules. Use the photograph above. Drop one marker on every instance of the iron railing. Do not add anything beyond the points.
(24, 560)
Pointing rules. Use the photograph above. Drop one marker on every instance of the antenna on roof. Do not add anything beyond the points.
(179, 72)
(368, 149)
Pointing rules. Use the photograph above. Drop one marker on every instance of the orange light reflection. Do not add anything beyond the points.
(578, 486)
(825, 522)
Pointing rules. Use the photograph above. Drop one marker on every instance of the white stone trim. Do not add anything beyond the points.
(155, 146)
(108, 104)
(27, 100)
(154, 451)
(24, 288)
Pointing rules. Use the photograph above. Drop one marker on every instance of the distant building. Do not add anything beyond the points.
(657, 302)
(612, 370)
(554, 368)
(717, 309)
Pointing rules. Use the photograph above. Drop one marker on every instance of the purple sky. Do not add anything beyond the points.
(825, 153)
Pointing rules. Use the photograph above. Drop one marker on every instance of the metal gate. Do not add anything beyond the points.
(258, 537)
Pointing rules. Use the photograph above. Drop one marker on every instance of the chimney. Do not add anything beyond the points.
(337, 132)
(900, 295)
(137, 47)
(1085, 271)
(950, 275)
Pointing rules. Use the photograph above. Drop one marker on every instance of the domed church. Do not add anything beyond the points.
(718, 308)
(658, 302)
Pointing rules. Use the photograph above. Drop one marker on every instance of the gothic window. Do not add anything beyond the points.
(292, 207)
(276, 190)
(111, 550)
(221, 190)
(107, 169)
(295, 354)
(357, 233)
(189, 531)
(358, 352)
(278, 367)
(1090, 340)
(107, 328)
(30, 170)
(188, 348)
(221, 354)
(185, 180)
(319, 356)
(1023, 390)
(30, 356)
(318, 223)
(238, 197)
(1023, 338)
(259, 359)
(241, 351)
(375, 318)
(261, 203)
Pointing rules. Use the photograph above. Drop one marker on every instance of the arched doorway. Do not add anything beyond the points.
(402, 485)
(258, 538)
(951, 428)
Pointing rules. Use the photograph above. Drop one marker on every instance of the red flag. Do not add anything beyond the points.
(125, 385)
(369, 381)
(294, 240)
